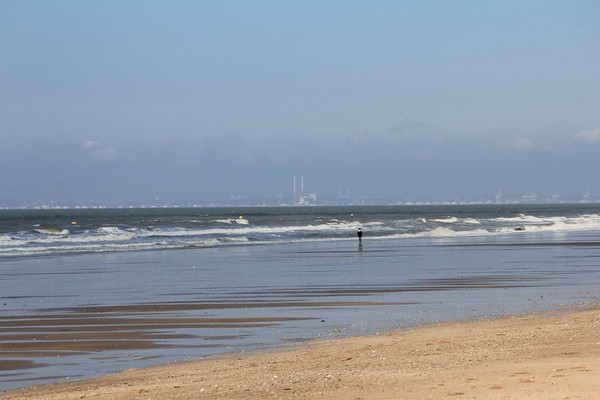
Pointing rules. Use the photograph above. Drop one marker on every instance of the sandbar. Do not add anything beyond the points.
(548, 355)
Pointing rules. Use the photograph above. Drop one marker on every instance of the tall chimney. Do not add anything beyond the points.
(294, 200)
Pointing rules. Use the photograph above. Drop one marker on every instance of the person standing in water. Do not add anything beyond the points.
(359, 234)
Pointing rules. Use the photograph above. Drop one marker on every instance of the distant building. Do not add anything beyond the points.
(303, 200)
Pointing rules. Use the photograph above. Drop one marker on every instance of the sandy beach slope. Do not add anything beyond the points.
(552, 355)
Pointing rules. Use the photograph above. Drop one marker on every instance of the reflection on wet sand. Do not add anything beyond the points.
(28, 338)
(29, 341)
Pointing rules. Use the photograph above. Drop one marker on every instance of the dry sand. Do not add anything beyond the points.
(553, 355)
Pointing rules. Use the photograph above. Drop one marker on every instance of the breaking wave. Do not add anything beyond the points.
(132, 233)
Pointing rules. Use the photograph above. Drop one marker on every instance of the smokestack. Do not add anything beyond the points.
(302, 185)
(294, 201)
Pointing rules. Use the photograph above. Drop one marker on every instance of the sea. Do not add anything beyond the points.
(93, 291)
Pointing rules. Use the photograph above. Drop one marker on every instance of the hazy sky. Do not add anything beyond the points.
(407, 100)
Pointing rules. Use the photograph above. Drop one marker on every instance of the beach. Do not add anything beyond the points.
(295, 199)
(549, 355)
(297, 284)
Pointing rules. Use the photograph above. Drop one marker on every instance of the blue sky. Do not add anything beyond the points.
(404, 100)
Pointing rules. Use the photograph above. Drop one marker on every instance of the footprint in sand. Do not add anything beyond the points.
(582, 368)
(527, 380)
(558, 375)
(520, 373)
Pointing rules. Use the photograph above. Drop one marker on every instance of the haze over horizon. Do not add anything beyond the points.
(129, 100)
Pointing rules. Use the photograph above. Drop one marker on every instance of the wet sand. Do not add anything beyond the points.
(57, 344)
(79, 317)
(39, 347)
(81, 330)
(549, 355)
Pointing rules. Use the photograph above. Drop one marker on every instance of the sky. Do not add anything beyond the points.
(113, 100)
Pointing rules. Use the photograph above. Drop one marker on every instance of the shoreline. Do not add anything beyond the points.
(551, 354)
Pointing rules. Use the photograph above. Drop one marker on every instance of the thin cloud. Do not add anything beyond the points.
(105, 154)
(589, 136)
(91, 143)
(520, 144)
(523, 144)
(100, 153)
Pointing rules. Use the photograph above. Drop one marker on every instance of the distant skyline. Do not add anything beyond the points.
(115, 101)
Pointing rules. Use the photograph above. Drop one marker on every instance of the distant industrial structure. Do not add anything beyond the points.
(303, 200)
(300, 198)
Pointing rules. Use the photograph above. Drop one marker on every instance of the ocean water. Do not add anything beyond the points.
(139, 287)
(25, 233)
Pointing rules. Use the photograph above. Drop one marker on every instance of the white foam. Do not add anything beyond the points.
(247, 230)
(110, 247)
(444, 232)
(207, 243)
(449, 220)
(113, 238)
(236, 239)
(53, 231)
(111, 230)
(440, 232)
(222, 221)
(521, 218)
(552, 224)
